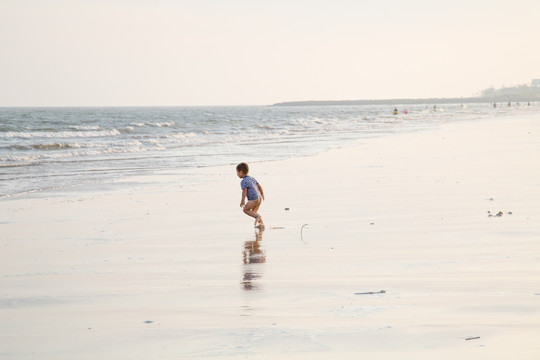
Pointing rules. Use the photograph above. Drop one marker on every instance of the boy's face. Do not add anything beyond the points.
(240, 174)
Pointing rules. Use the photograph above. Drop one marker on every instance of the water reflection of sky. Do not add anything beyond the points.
(254, 256)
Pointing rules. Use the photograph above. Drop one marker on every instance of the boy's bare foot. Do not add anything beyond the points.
(259, 221)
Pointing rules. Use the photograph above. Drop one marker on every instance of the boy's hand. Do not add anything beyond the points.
(242, 204)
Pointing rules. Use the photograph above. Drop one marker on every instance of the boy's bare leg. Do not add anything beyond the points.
(259, 219)
(251, 208)
(256, 210)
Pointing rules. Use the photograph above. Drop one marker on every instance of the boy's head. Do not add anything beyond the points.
(242, 170)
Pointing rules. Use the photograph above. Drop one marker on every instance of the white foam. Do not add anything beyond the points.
(59, 134)
(165, 124)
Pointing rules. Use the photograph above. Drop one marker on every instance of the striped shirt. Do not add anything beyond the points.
(252, 190)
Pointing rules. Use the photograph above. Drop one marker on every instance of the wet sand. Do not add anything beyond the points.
(384, 250)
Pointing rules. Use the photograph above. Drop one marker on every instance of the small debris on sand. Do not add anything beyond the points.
(499, 214)
(301, 232)
(371, 292)
(473, 338)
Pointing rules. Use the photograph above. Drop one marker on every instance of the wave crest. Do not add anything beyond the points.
(56, 146)
(60, 134)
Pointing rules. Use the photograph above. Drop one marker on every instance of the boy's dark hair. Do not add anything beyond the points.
(243, 167)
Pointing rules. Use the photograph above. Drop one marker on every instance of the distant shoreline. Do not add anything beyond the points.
(461, 100)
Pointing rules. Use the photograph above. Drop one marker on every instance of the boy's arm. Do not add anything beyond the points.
(244, 194)
(261, 190)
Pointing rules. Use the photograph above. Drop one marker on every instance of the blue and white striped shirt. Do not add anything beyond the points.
(252, 190)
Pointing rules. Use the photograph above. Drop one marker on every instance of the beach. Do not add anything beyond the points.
(391, 248)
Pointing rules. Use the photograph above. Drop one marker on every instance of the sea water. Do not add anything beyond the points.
(52, 148)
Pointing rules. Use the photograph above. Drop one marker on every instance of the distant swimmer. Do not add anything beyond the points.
(395, 111)
(494, 105)
(509, 104)
(528, 103)
(405, 111)
(434, 107)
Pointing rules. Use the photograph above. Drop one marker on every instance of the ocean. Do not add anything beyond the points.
(54, 148)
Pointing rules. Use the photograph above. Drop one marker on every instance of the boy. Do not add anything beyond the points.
(254, 192)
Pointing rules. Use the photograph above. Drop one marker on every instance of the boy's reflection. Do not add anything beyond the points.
(254, 256)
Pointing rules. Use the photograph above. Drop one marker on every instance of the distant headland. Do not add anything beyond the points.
(523, 93)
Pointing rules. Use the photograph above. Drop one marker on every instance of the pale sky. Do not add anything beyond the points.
(258, 52)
